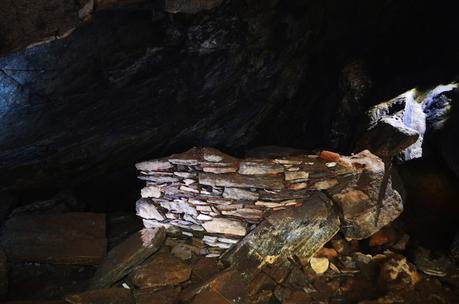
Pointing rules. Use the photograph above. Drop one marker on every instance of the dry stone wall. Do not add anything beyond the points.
(216, 199)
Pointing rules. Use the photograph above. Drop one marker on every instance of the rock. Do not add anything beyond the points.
(151, 191)
(225, 226)
(290, 176)
(358, 200)
(396, 273)
(182, 251)
(206, 268)
(155, 296)
(385, 236)
(3, 274)
(260, 168)
(161, 270)
(326, 184)
(325, 252)
(70, 238)
(434, 265)
(319, 264)
(147, 210)
(130, 253)
(329, 156)
(239, 194)
(291, 234)
(238, 181)
(154, 165)
(99, 296)
(401, 137)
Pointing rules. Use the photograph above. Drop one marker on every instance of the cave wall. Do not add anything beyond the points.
(137, 82)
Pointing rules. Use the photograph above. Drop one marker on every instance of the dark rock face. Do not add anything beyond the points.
(139, 82)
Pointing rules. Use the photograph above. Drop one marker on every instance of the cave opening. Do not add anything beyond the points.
(293, 114)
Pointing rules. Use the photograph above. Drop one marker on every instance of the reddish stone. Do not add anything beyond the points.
(298, 297)
(329, 156)
(209, 296)
(382, 237)
(155, 296)
(328, 253)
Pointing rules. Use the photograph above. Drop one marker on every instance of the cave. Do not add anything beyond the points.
(229, 151)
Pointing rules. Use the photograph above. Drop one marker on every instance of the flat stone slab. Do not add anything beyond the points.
(99, 296)
(69, 238)
(242, 181)
(161, 270)
(293, 234)
(123, 258)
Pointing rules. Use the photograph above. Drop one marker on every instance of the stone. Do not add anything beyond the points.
(326, 184)
(154, 165)
(160, 271)
(260, 168)
(69, 238)
(155, 296)
(147, 210)
(238, 181)
(182, 251)
(401, 137)
(325, 252)
(396, 273)
(225, 226)
(98, 296)
(319, 264)
(289, 176)
(219, 170)
(3, 274)
(385, 236)
(130, 253)
(329, 156)
(151, 191)
(290, 234)
(239, 194)
(358, 200)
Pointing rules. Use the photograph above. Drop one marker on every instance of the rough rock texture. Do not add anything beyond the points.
(99, 296)
(137, 82)
(70, 238)
(121, 259)
(160, 271)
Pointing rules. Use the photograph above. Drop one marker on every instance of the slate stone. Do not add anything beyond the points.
(260, 168)
(291, 234)
(99, 296)
(161, 270)
(69, 238)
(239, 181)
(121, 260)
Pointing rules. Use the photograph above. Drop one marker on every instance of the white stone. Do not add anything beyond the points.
(203, 217)
(225, 226)
(151, 191)
(189, 181)
(146, 209)
(326, 184)
(154, 165)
